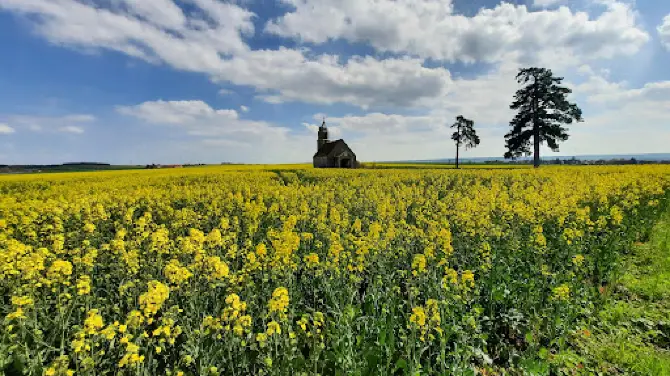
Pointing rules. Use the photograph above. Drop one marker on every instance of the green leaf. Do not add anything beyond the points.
(400, 364)
(529, 337)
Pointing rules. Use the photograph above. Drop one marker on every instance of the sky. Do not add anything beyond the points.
(249, 81)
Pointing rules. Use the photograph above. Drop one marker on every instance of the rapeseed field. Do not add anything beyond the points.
(293, 271)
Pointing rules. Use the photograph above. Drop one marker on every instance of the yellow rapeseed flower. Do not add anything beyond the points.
(273, 328)
(84, 285)
(279, 301)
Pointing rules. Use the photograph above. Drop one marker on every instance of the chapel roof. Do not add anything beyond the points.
(328, 148)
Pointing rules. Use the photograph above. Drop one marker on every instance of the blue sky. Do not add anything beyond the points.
(188, 81)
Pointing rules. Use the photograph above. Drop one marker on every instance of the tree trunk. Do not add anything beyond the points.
(458, 142)
(536, 146)
(536, 128)
(457, 147)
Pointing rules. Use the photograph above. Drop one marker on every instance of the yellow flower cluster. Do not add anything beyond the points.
(311, 260)
(167, 331)
(93, 322)
(233, 318)
(312, 325)
(59, 272)
(279, 301)
(419, 264)
(152, 300)
(286, 269)
(132, 356)
(84, 285)
(561, 292)
(233, 315)
(426, 320)
(216, 269)
(20, 303)
(176, 273)
(59, 367)
(273, 328)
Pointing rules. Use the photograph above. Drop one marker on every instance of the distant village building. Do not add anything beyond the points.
(332, 153)
(153, 166)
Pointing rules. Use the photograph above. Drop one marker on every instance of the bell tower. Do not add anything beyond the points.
(323, 136)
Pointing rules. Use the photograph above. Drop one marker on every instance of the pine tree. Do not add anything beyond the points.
(543, 108)
(465, 134)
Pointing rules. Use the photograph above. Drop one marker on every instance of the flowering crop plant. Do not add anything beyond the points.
(294, 271)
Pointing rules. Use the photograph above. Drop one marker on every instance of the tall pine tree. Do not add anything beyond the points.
(465, 134)
(543, 108)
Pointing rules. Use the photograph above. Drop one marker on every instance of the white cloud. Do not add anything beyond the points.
(334, 132)
(616, 94)
(162, 13)
(311, 128)
(79, 24)
(72, 123)
(210, 39)
(485, 98)
(411, 105)
(362, 81)
(197, 118)
(429, 28)
(71, 129)
(6, 129)
(296, 149)
(79, 118)
(638, 124)
(176, 112)
(380, 123)
(225, 142)
(596, 88)
(664, 31)
(222, 133)
(156, 36)
(212, 43)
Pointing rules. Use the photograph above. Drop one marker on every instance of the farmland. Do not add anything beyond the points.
(287, 270)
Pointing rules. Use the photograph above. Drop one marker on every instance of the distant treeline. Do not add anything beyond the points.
(555, 161)
(69, 164)
(575, 161)
(65, 167)
(86, 164)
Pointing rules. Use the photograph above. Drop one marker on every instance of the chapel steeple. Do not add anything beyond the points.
(323, 135)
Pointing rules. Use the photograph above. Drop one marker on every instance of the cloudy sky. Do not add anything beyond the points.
(186, 81)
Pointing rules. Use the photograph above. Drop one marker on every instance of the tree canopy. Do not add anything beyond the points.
(465, 134)
(543, 109)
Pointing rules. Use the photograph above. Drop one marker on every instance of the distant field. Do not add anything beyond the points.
(65, 168)
(25, 174)
(250, 167)
(438, 165)
(259, 167)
